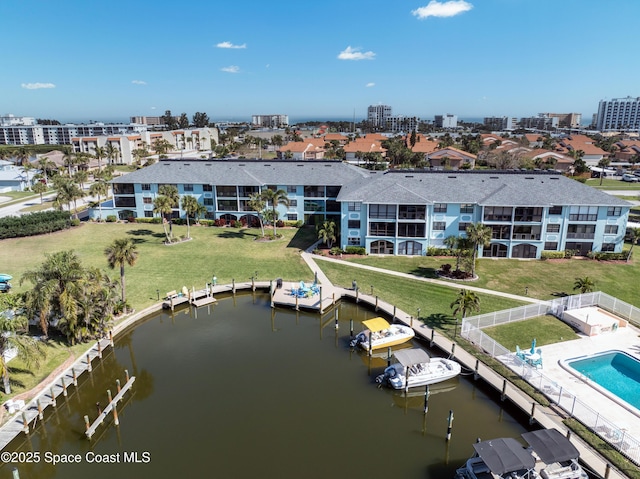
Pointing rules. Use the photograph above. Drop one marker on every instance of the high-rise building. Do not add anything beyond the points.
(500, 123)
(618, 114)
(540, 122)
(565, 120)
(270, 121)
(377, 115)
(445, 121)
(401, 123)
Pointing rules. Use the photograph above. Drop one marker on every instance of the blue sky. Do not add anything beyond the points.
(81, 60)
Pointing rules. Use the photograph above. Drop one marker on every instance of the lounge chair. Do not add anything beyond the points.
(519, 353)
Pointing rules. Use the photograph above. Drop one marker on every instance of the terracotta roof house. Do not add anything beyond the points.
(308, 149)
(364, 145)
(342, 139)
(592, 154)
(627, 149)
(451, 158)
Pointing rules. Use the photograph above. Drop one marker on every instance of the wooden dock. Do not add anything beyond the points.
(112, 406)
(327, 297)
(203, 301)
(34, 409)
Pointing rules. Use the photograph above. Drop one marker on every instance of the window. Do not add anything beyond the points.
(381, 247)
(314, 205)
(227, 205)
(333, 191)
(292, 216)
(293, 203)
(551, 246)
(497, 213)
(382, 229)
(581, 231)
(583, 213)
(462, 226)
(147, 200)
(228, 191)
(128, 201)
(439, 225)
(387, 212)
(208, 201)
(353, 241)
(528, 214)
(291, 189)
(608, 247)
(411, 230)
(333, 206)
(123, 189)
(466, 208)
(148, 214)
(247, 191)
(500, 232)
(187, 187)
(439, 207)
(553, 228)
(611, 229)
(412, 212)
(614, 210)
(354, 206)
(354, 224)
(146, 187)
(207, 187)
(411, 248)
(555, 210)
(313, 191)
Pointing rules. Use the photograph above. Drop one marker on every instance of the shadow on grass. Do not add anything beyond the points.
(144, 232)
(559, 294)
(303, 238)
(234, 234)
(438, 321)
(423, 272)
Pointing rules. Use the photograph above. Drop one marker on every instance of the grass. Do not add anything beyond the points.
(612, 184)
(541, 279)
(545, 329)
(228, 253)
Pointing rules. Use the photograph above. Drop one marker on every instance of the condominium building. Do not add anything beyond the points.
(496, 123)
(377, 115)
(148, 120)
(396, 212)
(62, 134)
(11, 120)
(270, 121)
(540, 122)
(566, 120)
(402, 124)
(445, 121)
(618, 114)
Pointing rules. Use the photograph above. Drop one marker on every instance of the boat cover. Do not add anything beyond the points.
(5, 277)
(504, 455)
(551, 446)
(409, 357)
(376, 324)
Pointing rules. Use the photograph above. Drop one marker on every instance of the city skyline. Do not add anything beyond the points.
(423, 58)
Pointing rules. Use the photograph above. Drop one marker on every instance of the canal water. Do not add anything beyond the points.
(238, 390)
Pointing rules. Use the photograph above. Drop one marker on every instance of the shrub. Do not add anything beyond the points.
(233, 223)
(279, 224)
(336, 251)
(154, 220)
(41, 222)
(552, 255)
(356, 250)
(219, 222)
(570, 253)
(435, 251)
(445, 268)
(112, 218)
(608, 256)
(75, 222)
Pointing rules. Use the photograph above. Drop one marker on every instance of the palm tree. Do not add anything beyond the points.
(100, 188)
(13, 336)
(257, 203)
(190, 206)
(602, 164)
(111, 152)
(99, 152)
(479, 235)
(275, 197)
(45, 165)
(68, 192)
(22, 156)
(466, 302)
(584, 285)
(634, 235)
(119, 252)
(81, 177)
(39, 187)
(327, 233)
(163, 206)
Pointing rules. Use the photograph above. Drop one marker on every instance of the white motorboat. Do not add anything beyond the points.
(550, 455)
(557, 457)
(414, 367)
(381, 334)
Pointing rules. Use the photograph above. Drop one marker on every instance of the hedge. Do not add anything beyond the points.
(41, 222)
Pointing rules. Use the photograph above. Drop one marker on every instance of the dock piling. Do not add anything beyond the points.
(351, 328)
(25, 423)
(89, 362)
(64, 387)
(53, 397)
(426, 399)
(40, 412)
(449, 425)
(75, 376)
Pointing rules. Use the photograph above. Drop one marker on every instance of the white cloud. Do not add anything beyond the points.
(230, 45)
(442, 9)
(231, 69)
(138, 82)
(370, 84)
(355, 54)
(37, 86)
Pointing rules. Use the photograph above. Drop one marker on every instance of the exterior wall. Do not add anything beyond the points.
(618, 114)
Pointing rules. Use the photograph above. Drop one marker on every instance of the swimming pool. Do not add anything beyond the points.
(615, 372)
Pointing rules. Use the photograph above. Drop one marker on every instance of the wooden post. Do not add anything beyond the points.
(351, 327)
(406, 380)
(453, 349)
(607, 470)
(118, 385)
(394, 314)
(89, 362)
(335, 314)
(111, 338)
(504, 390)
(389, 356)
(357, 300)
(449, 425)
(376, 302)
(75, 376)
(16, 473)
(433, 335)
(53, 397)
(411, 321)
(86, 423)
(297, 305)
(475, 373)
(64, 387)
(426, 399)
(253, 283)
(320, 293)
(333, 299)
(126, 374)
(171, 303)
(116, 421)
(25, 423)
(271, 290)
(99, 350)
(233, 285)
(40, 412)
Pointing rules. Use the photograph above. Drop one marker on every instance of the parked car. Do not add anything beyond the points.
(630, 178)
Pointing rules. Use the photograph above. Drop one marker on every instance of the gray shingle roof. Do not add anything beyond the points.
(484, 188)
(246, 173)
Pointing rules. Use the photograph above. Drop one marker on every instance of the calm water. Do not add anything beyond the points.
(617, 372)
(239, 391)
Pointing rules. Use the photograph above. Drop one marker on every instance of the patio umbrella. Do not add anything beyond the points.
(533, 346)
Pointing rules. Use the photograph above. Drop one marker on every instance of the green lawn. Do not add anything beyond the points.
(608, 184)
(228, 253)
(545, 330)
(542, 279)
